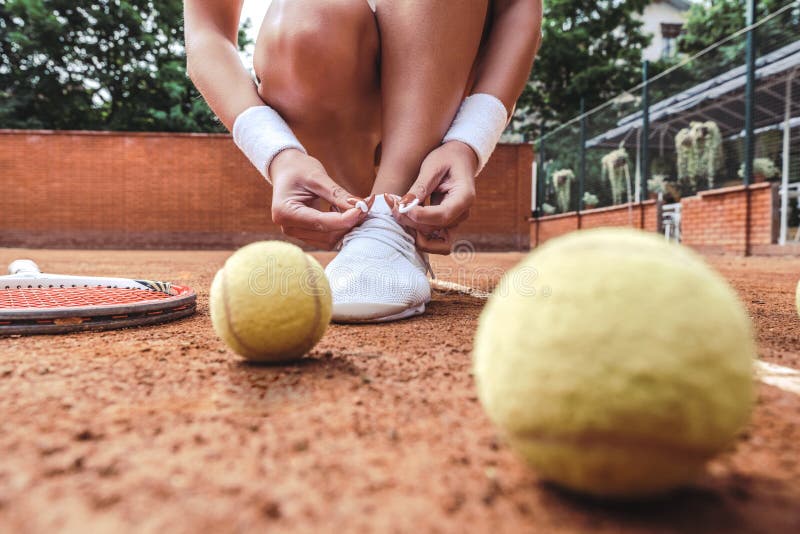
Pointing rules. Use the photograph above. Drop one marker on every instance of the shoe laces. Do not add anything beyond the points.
(383, 227)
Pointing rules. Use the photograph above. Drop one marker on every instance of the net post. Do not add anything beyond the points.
(582, 169)
(787, 140)
(541, 176)
(749, 138)
(645, 155)
(750, 51)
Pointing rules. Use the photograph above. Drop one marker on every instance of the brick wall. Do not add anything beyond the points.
(500, 215)
(652, 217)
(638, 216)
(626, 215)
(155, 190)
(712, 221)
(552, 226)
(716, 221)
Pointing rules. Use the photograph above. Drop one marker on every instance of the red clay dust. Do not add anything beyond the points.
(164, 429)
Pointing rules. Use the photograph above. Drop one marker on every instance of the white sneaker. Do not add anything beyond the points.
(378, 274)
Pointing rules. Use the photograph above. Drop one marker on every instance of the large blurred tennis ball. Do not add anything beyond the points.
(270, 302)
(617, 364)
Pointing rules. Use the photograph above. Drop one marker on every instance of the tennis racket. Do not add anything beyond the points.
(32, 302)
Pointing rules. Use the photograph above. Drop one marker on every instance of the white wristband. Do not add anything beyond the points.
(479, 123)
(262, 134)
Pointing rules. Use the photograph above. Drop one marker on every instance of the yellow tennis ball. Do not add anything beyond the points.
(270, 302)
(617, 364)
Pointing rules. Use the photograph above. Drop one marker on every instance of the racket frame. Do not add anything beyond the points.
(181, 302)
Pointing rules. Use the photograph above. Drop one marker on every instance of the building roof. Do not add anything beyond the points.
(680, 5)
(720, 99)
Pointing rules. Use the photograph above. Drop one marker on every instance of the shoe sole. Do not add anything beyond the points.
(403, 314)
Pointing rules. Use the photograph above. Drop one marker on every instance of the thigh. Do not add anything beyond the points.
(317, 65)
(428, 51)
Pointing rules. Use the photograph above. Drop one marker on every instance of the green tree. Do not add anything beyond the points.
(102, 65)
(589, 49)
(712, 21)
(710, 29)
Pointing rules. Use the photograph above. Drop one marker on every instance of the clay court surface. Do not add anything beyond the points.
(162, 429)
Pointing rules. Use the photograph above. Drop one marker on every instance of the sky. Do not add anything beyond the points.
(254, 10)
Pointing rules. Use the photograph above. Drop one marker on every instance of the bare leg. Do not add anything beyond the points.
(317, 63)
(427, 52)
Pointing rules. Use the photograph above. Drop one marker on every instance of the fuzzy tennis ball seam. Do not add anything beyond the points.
(619, 440)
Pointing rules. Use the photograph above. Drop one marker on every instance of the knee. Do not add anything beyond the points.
(312, 53)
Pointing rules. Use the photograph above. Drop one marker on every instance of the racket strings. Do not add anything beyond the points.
(61, 297)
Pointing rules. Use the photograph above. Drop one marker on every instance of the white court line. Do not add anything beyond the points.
(443, 285)
(783, 378)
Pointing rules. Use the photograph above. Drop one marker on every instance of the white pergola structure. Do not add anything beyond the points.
(722, 99)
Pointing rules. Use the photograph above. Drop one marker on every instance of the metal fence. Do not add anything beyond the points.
(727, 116)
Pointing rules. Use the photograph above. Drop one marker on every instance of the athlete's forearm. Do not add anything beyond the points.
(513, 43)
(212, 58)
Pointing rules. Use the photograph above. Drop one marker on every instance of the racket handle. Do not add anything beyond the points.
(23, 267)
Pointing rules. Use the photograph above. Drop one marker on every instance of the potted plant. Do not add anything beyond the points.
(683, 151)
(656, 185)
(672, 192)
(562, 181)
(589, 200)
(763, 169)
(615, 167)
(699, 152)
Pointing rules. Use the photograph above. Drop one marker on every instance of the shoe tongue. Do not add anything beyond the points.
(380, 207)
(380, 234)
(380, 216)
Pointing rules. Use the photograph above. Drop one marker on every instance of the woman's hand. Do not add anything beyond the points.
(447, 176)
(299, 183)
